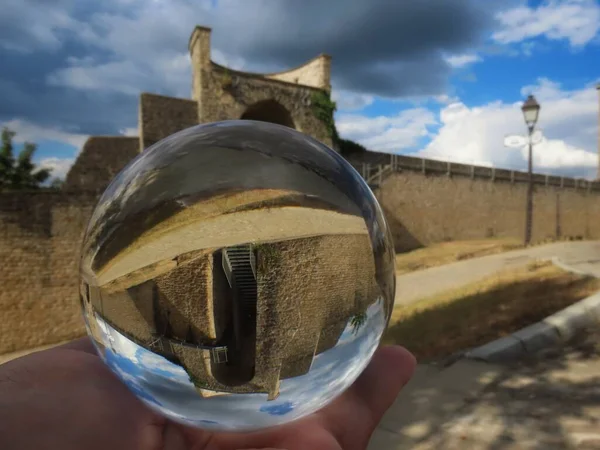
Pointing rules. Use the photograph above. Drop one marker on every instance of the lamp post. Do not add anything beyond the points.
(531, 111)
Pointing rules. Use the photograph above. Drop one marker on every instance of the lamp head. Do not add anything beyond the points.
(531, 111)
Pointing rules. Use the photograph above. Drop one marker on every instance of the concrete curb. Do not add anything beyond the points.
(553, 330)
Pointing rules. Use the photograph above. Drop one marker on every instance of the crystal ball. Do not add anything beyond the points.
(237, 275)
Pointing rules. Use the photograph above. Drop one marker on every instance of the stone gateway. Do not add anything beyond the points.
(218, 93)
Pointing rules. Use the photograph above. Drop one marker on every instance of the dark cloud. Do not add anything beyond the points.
(392, 49)
(38, 38)
(26, 94)
(379, 47)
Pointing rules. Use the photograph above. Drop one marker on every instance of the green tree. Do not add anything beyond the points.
(19, 173)
(57, 183)
(349, 148)
(324, 108)
(357, 322)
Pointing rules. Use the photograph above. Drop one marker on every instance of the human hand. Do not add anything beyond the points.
(67, 399)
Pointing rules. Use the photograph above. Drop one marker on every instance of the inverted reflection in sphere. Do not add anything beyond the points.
(237, 275)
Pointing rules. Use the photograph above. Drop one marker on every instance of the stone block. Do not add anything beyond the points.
(592, 306)
(538, 336)
(503, 349)
(570, 320)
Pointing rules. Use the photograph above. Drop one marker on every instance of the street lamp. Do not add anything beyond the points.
(531, 112)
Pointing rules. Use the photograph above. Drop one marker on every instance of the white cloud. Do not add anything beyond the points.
(528, 47)
(153, 362)
(59, 166)
(387, 134)
(131, 131)
(576, 21)
(567, 118)
(446, 99)
(26, 131)
(350, 101)
(233, 62)
(458, 61)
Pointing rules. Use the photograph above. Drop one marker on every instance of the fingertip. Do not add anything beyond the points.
(173, 438)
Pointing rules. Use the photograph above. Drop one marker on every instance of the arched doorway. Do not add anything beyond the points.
(269, 111)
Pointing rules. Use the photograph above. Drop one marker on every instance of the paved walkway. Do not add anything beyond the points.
(582, 255)
(550, 402)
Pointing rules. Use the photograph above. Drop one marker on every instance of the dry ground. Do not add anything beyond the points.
(269, 225)
(221, 204)
(475, 314)
(449, 252)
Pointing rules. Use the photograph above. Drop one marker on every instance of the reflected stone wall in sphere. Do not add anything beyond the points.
(237, 275)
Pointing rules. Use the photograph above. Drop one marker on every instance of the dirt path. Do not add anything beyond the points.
(231, 229)
(582, 255)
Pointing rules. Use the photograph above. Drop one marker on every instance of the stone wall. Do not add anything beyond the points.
(437, 202)
(40, 235)
(160, 117)
(315, 73)
(228, 94)
(295, 320)
(424, 203)
(101, 158)
(225, 94)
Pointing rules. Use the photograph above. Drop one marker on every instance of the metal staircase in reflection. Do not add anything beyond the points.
(239, 264)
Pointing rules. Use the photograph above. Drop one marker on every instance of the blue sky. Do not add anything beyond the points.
(442, 78)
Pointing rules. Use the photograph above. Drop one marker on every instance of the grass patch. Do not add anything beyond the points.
(449, 252)
(476, 314)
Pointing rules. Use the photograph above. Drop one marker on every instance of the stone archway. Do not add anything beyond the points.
(269, 111)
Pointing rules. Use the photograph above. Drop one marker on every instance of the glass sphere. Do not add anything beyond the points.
(237, 275)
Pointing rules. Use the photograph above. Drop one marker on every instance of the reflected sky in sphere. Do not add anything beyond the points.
(237, 275)
(166, 388)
